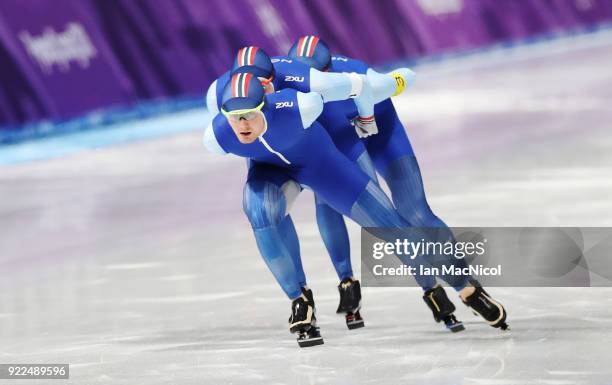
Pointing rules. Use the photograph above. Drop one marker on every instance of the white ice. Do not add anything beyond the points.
(136, 265)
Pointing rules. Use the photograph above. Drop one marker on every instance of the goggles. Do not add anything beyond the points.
(246, 114)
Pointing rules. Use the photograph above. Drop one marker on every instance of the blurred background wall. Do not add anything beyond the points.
(64, 59)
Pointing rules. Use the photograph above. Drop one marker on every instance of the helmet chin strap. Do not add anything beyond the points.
(269, 86)
(267, 83)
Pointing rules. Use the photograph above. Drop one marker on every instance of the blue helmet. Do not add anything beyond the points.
(312, 51)
(243, 92)
(257, 58)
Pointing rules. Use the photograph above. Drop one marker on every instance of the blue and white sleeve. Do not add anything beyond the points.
(211, 99)
(384, 85)
(310, 105)
(210, 141)
(335, 86)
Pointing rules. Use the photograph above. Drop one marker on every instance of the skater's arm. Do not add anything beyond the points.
(385, 85)
(210, 141)
(336, 86)
(345, 85)
(211, 99)
(310, 105)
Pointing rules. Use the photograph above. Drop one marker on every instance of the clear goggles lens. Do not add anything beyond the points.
(244, 116)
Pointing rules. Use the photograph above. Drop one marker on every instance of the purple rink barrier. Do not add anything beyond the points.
(55, 62)
(61, 59)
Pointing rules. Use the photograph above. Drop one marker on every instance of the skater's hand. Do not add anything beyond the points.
(365, 126)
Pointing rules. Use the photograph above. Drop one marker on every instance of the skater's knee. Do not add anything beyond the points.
(266, 204)
(418, 214)
(374, 209)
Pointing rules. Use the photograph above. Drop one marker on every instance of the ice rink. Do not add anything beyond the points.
(135, 264)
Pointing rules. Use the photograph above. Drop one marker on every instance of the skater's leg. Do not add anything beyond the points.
(291, 241)
(335, 237)
(365, 163)
(395, 161)
(391, 142)
(268, 195)
(333, 228)
(404, 180)
(403, 177)
(374, 209)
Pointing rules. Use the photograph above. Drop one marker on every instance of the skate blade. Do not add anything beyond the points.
(308, 342)
(354, 320)
(455, 328)
(355, 324)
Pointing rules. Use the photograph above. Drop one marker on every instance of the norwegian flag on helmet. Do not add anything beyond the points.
(306, 46)
(246, 56)
(240, 84)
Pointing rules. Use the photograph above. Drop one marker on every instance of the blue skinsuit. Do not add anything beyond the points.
(393, 158)
(293, 74)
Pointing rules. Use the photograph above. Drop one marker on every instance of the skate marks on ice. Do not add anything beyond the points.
(214, 337)
(405, 346)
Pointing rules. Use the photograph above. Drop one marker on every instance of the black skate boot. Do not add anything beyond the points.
(483, 305)
(309, 297)
(303, 321)
(350, 303)
(442, 308)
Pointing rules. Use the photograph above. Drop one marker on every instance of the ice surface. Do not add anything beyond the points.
(136, 265)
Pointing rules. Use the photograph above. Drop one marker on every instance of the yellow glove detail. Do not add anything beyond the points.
(401, 83)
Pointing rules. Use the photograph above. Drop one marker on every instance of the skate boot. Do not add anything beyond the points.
(486, 307)
(303, 321)
(442, 308)
(350, 303)
(309, 297)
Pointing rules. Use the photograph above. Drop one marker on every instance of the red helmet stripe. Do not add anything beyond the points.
(239, 56)
(235, 85)
(300, 46)
(313, 44)
(253, 52)
(245, 84)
